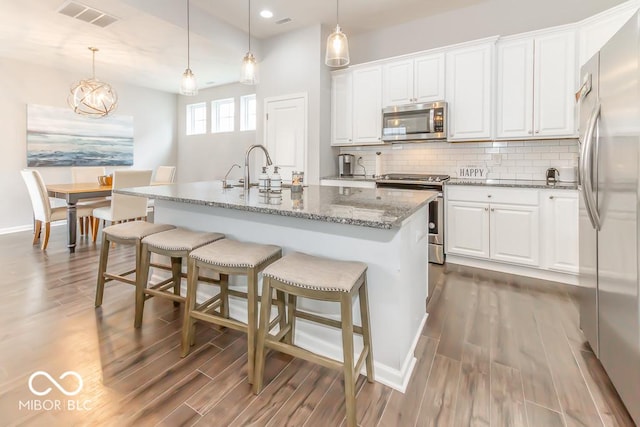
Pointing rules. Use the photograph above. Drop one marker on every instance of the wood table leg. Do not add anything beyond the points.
(72, 218)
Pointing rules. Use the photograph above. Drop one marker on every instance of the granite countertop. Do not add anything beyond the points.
(515, 183)
(368, 207)
(352, 178)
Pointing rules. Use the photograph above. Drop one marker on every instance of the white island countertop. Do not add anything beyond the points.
(376, 208)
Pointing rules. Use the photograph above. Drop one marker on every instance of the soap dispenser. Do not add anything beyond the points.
(276, 181)
(263, 181)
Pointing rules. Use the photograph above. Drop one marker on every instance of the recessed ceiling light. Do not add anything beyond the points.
(266, 14)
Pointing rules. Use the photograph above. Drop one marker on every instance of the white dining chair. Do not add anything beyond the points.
(165, 175)
(43, 213)
(89, 174)
(123, 207)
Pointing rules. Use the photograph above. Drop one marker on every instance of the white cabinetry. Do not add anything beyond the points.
(341, 108)
(536, 82)
(560, 229)
(367, 105)
(419, 79)
(500, 224)
(469, 91)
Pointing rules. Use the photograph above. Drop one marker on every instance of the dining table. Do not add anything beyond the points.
(72, 194)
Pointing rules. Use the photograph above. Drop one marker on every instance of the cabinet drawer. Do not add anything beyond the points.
(517, 196)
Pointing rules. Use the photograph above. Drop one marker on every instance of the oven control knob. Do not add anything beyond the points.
(432, 226)
(430, 179)
(437, 179)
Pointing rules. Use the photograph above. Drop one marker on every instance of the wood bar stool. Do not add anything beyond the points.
(302, 275)
(176, 244)
(127, 233)
(229, 257)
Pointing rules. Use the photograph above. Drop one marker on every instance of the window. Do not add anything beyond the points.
(222, 115)
(196, 118)
(248, 112)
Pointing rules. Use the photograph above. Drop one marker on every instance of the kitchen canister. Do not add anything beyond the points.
(567, 174)
(378, 164)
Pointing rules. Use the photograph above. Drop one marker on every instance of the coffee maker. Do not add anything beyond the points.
(346, 165)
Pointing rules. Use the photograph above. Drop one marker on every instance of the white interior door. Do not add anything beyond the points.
(286, 132)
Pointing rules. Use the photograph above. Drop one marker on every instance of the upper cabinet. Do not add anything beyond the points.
(367, 105)
(419, 79)
(469, 91)
(535, 86)
(341, 108)
(356, 106)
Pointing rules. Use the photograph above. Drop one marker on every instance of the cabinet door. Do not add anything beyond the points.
(555, 73)
(367, 105)
(560, 221)
(428, 78)
(341, 109)
(467, 229)
(515, 234)
(468, 92)
(398, 83)
(515, 89)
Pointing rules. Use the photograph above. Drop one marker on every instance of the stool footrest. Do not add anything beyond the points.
(219, 320)
(281, 333)
(164, 294)
(324, 320)
(119, 277)
(212, 303)
(235, 293)
(361, 359)
(301, 353)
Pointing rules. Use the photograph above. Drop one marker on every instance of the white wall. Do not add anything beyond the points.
(209, 156)
(484, 19)
(21, 83)
(294, 63)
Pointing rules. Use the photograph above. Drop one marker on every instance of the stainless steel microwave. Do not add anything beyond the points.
(415, 122)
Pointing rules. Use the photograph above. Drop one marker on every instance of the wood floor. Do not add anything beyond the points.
(497, 350)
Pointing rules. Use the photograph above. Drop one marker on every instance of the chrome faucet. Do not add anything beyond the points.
(246, 162)
(224, 180)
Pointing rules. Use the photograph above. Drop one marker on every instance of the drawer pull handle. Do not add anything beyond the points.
(486, 209)
(489, 196)
(551, 197)
(492, 209)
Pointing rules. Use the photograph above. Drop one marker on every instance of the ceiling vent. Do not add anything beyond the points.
(87, 14)
(283, 21)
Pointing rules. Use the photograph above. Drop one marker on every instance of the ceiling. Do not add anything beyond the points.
(147, 45)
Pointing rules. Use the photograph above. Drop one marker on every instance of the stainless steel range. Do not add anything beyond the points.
(436, 207)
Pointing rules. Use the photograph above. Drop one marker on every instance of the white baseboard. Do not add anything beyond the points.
(29, 227)
(554, 276)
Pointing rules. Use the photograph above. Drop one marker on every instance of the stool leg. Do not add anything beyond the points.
(291, 318)
(347, 348)
(224, 295)
(176, 272)
(102, 267)
(142, 277)
(282, 309)
(263, 330)
(188, 332)
(366, 329)
(252, 320)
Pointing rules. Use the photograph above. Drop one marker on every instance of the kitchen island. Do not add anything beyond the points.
(385, 228)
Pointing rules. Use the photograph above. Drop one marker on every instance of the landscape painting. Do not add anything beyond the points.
(60, 137)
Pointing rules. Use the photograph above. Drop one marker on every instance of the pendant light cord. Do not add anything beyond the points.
(337, 12)
(249, 15)
(188, 38)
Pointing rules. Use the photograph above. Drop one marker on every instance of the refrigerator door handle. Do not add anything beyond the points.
(586, 169)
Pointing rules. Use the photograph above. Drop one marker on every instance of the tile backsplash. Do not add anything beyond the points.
(503, 159)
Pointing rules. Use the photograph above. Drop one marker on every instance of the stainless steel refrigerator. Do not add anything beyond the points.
(609, 105)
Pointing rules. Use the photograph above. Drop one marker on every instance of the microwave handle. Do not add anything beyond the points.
(431, 119)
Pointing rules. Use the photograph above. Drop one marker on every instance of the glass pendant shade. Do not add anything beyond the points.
(337, 49)
(91, 97)
(189, 86)
(249, 70)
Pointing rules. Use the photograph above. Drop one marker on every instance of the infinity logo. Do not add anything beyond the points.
(55, 383)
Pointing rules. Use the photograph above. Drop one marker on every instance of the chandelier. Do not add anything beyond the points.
(91, 97)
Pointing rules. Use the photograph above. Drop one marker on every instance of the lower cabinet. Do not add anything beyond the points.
(520, 226)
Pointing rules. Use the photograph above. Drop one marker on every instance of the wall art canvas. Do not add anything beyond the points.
(59, 137)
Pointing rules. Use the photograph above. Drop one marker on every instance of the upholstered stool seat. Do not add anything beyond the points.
(127, 233)
(228, 257)
(324, 279)
(176, 244)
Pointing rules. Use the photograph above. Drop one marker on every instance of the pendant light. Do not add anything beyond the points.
(337, 46)
(91, 97)
(189, 85)
(249, 69)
